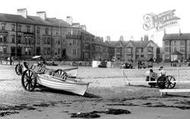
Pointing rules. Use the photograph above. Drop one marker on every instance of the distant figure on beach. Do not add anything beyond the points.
(11, 60)
(152, 77)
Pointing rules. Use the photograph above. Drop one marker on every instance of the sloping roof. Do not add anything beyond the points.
(32, 20)
(140, 43)
(58, 22)
(177, 36)
(15, 18)
(112, 43)
(38, 20)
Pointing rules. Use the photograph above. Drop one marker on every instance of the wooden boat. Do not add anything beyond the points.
(56, 79)
(69, 85)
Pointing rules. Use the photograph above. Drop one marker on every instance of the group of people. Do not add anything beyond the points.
(8, 60)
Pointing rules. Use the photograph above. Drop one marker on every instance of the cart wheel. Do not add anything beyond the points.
(60, 73)
(29, 80)
(161, 81)
(170, 82)
(18, 69)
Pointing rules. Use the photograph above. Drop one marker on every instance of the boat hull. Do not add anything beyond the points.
(69, 85)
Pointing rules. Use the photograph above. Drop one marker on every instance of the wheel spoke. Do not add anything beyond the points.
(26, 86)
(29, 73)
(29, 86)
(170, 78)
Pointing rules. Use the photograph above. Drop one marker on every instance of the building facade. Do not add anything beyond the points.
(24, 36)
(176, 44)
(135, 50)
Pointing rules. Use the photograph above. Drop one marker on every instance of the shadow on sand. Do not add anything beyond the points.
(45, 89)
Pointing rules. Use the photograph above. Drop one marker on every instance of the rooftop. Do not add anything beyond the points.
(177, 36)
(33, 20)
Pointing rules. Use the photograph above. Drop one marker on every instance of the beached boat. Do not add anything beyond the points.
(59, 79)
(69, 85)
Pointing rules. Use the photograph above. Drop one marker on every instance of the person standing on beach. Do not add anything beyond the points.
(162, 72)
(11, 60)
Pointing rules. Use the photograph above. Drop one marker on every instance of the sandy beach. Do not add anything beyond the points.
(107, 92)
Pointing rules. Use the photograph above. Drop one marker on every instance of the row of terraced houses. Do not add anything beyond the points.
(24, 36)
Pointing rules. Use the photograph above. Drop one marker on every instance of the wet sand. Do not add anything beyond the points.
(108, 90)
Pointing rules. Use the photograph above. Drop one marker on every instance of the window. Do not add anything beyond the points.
(44, 51)
(29, 40)
(44, 40)
(1, 38)
(28, 28)
(38, 40)
(74, 52)
(150, 49)
(166, 49)
(18, 39)
(57, 31)
(13, 27)
(86, 46)
(182, 49)
(129, 56)
(166, 42)
(3, 26)
(59, 50)
(142, 49)
(139, 50)
(5, 39)
(5, 49)
(48, 50)
(13, 38)
(118, 50)
(38, 51)
(74, 42)
(174, 42)
(19, 27)
(182, 42)
(48, 40)
(129, 50)
(13, 51)
(38, 30)
(137, 56)
(46, 31)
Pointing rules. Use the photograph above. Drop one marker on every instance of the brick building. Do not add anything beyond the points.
(176, 44)
(135, 50)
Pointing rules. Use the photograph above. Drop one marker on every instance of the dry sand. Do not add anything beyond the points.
(108, 90)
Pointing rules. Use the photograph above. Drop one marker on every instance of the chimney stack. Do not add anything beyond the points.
(41, 14)
(69, 20)
(22, 12)
(83, 27)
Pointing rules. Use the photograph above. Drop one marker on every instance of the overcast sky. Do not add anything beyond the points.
(108, 17)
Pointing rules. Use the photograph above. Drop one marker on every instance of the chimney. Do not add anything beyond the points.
(180, 32)
(146, 37)
(69, 20)
(41, 14)
(22, 12)
(83, 27)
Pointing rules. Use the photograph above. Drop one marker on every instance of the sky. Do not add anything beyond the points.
(108, 17)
